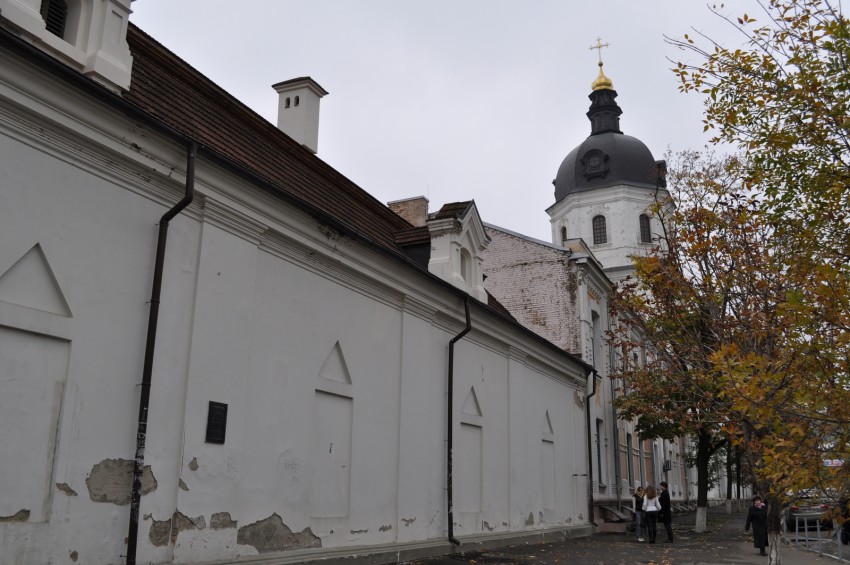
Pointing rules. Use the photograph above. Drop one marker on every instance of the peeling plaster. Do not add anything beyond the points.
(408, 521)
(386, 528)
(159, 533)
(355, 532)
(530, 520)
(111, 481)
(182, 485)
(193, 464)
(74, 556)
(66, 489)
(486, 525)
(164, 531)
(222, 520)
(272, 534)
(21, 515)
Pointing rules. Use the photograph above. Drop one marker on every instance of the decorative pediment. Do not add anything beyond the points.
(30, 282)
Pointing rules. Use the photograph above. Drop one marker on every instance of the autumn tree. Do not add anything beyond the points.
(683, 305)
(782, 98)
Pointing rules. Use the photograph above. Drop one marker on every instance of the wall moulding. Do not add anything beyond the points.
(331, 268)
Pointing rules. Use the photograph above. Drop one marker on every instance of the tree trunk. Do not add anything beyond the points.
(774, 530)
(773, 541)
(738, 475)
(703, 455)
(729, 479)
(701, 519)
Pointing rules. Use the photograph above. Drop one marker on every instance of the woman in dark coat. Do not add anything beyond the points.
(757, 516)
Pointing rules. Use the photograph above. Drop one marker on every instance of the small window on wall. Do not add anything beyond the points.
(216, 423)
(55, 14)
(645, 233)
(600, 233)
(288, 102)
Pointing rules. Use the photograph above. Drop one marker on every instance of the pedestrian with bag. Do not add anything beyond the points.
(637, 510)
(651, 508)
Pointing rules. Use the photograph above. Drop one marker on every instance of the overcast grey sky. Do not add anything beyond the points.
(451, 99)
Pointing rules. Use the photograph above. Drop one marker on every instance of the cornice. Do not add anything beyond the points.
(232, 221)
(326, 266)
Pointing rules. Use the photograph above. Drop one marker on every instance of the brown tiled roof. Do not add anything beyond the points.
(168, 88)
(452, 210)
(413, 236)
(498, 307)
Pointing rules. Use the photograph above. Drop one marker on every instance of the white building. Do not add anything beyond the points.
(309, 375)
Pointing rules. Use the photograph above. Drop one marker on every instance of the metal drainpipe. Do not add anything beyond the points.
(618, 471)
(144, 400)
(590, 452)
(450, 386)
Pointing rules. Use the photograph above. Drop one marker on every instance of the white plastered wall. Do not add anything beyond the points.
(265, 312)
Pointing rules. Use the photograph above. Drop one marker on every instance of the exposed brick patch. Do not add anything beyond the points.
(538, 285)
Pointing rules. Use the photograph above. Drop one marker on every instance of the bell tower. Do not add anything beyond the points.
(606, 185)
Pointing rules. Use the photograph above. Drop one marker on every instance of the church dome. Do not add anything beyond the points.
(607, 157)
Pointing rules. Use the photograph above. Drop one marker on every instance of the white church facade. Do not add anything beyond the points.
(214, 347)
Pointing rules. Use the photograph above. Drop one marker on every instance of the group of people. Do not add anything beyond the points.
(650, 507)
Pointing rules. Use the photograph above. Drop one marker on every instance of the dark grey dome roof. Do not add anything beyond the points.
(606, 159)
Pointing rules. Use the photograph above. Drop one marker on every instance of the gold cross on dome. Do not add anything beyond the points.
(599, 45)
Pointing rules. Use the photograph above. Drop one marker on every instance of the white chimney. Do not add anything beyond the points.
(298, 110)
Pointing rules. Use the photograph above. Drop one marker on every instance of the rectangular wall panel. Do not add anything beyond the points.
(468, 463)
(33, 369)
(331, 482)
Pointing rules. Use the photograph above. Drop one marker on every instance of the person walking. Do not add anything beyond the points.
(651, 507)
(666, 515)
(757, 517)
(637, 510)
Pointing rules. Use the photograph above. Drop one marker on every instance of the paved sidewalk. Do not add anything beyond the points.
(725, 542)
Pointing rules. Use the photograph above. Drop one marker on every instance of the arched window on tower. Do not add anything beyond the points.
(600, 233)
(563, 235)
(645, 232)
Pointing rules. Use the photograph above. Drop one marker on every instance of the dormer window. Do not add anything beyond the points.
(55, 14)
(88, 35)
(458, 240)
